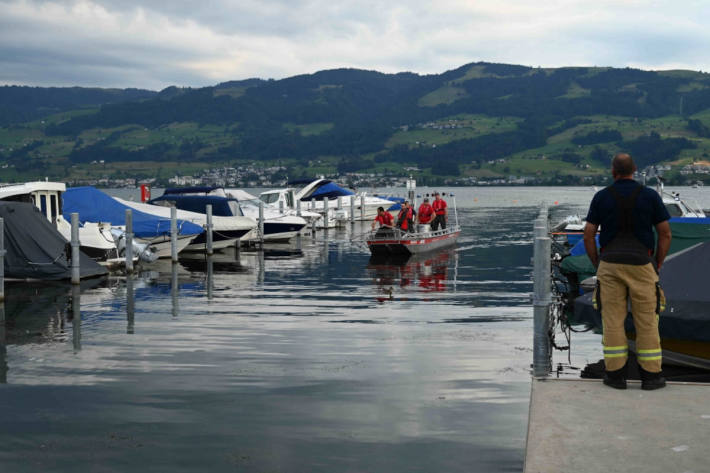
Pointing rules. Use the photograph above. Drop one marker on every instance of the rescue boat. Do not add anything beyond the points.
(393, 241)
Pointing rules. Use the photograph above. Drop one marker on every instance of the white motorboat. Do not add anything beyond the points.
(313, 193)
(283, 200)
(277, 226)
(95, 237)
(225, 230)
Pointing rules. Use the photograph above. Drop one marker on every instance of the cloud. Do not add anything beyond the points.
(133, 43)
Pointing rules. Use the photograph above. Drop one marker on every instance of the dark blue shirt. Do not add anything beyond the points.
(648, 212)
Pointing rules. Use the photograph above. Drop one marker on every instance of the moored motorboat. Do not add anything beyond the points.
(277, 226)
(314, 191)
(48, 197)
(684, 325)
(151, 225)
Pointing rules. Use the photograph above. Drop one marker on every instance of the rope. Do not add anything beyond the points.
(46, 264)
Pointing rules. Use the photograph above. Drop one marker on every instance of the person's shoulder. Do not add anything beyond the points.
(601, 194)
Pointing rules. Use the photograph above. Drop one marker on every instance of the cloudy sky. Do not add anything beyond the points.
(154, 44)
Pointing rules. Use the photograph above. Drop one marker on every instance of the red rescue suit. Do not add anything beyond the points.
(426, 212)
(385, 219)
(439, 207)
(404, 219)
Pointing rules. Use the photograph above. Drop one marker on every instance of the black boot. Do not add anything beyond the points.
(651, 381)
(616, 379)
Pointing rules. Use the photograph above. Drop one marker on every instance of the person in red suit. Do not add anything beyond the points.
(439, 207)
(405, 219)
(426, 212)
(385, 219)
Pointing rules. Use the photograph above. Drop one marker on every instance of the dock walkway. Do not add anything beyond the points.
(584, 426)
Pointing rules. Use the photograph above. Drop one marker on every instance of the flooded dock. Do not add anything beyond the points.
(585, 426)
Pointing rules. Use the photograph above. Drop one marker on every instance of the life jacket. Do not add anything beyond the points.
(404, 219)
(425, 213)
(439, 206)
(625, 247)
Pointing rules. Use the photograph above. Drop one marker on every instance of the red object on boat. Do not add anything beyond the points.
(145, 192)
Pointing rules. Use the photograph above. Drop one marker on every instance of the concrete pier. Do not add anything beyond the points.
(584, 426)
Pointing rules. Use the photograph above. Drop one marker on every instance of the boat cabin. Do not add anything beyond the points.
(46, 196)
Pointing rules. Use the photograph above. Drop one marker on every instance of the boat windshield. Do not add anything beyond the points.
(269, 198)
(674, 209)
(253, 202)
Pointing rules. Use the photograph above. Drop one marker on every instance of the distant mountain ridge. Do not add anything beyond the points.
(365, 119)
(22, 103)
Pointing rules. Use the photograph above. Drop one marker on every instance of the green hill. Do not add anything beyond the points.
(480, 120)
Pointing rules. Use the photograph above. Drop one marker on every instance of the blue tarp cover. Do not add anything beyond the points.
(198, 203)
(330, 190)
(578, 248)
(92, 205)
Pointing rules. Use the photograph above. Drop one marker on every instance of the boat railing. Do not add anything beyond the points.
(393, 233)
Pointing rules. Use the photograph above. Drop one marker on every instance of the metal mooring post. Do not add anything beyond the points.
(542, 353)
(2, 262)
(362, 207)
(173, 235)
(209, 229)
(75, 268)
(261, 223)
(298, 208)
(129, 241)
(325, 212)
(352, 209)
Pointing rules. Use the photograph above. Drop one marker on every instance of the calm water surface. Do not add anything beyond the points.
(309, 357)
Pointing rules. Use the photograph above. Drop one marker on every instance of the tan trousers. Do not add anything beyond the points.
(617, 283)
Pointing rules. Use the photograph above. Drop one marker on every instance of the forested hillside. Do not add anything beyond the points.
(480, 120)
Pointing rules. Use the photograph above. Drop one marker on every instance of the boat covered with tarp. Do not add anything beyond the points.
(35, 250)
(94, 205)
(684, 325)
(686, 231)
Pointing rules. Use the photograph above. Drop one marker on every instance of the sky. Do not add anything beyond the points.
(153, 45)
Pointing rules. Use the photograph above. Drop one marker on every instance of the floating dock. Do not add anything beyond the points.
(584, 426)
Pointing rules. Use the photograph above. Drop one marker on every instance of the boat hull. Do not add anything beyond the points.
(220, 239)
(161, 244)
(412, 244)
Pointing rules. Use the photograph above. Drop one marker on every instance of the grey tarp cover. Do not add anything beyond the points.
(35, 249)
(685, 278)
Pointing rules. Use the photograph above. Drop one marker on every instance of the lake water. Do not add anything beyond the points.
(308, 357)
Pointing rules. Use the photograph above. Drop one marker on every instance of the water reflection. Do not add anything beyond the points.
(423, 272)
(263, 364)
(76, 316)
(3, 348)
(130, 305)
(174, 289)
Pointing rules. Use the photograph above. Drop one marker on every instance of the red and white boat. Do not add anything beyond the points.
(393, 241)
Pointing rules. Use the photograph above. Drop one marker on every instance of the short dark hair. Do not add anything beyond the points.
(380, 209)
(623, 164)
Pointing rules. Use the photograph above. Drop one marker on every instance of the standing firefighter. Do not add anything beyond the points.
(627, 213)
(405, 219)
(439, 206)
(426, 212)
